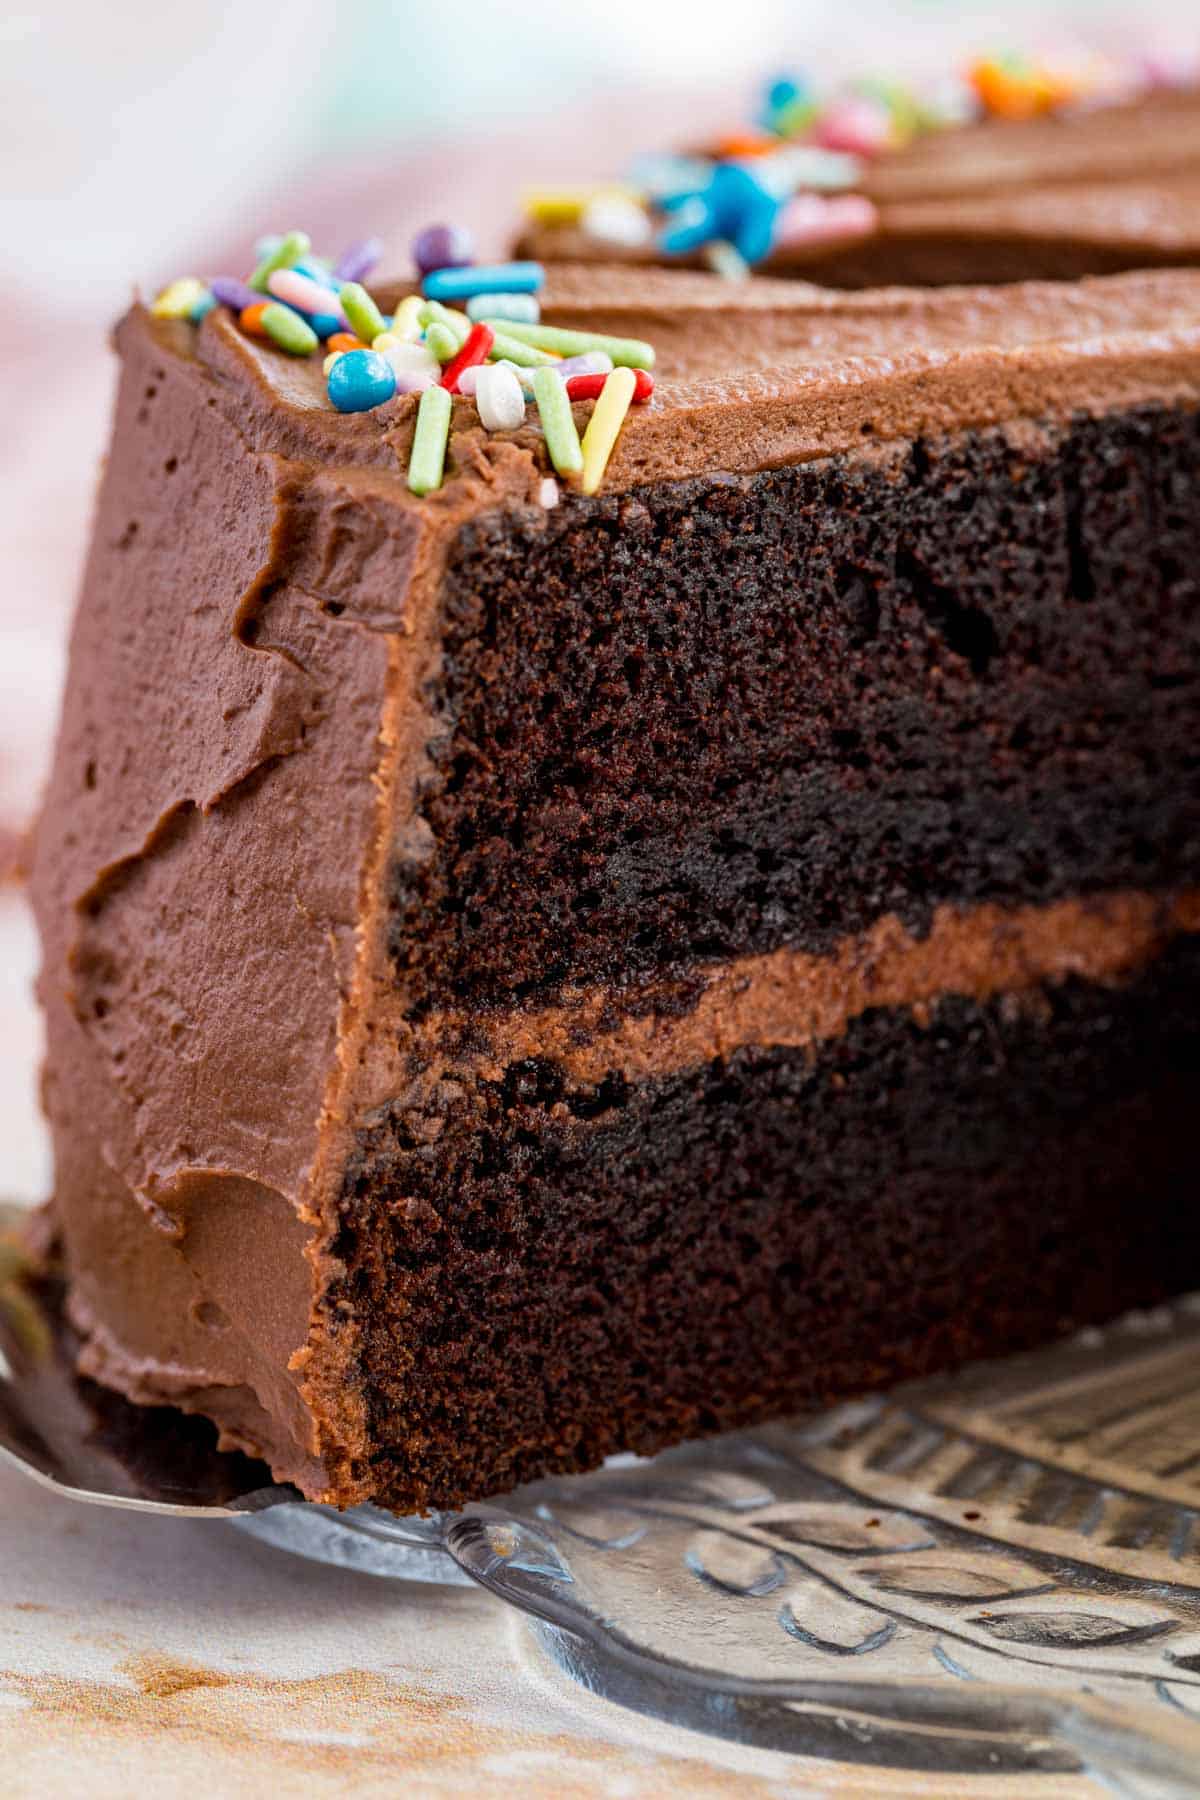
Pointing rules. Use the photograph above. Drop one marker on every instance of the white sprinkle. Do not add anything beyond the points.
(799, 166)
(614, 220)
(499, 398)
(469, 377)
(410, 359)
(548, 493)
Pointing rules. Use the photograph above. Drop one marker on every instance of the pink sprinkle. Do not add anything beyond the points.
(304, 293)
(1163, 68)
(858, 125)
(823, 219)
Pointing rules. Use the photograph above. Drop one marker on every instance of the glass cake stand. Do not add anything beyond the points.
(995, 1574)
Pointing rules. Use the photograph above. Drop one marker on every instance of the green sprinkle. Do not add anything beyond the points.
(428, 458)
(441, 340)
(558, 422)
(456, 323)
(288, 329)
(524, 355)
(629, 353)
(362, 312)
(287, 253)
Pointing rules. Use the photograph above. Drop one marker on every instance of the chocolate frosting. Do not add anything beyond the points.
(761, 374)
(245, 729)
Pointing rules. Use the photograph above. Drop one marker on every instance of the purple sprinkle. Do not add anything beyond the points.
(588, 362)
(232, 292)
(442, 247)
(356, 263)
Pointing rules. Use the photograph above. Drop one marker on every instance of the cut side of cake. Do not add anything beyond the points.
(532, 976)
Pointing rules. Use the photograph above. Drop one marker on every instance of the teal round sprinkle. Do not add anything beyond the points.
(441, 340)
(290, 250)
(428, 459)
(364, 316)
(360, 380)
(287, 329)
(558, 421)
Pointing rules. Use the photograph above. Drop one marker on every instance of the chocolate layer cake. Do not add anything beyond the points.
(530, 976)
(1083, 193)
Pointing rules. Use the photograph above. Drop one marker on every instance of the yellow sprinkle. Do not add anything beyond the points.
(330, 360)
(386, 340)
(608, 416)
(566, 206)
(407, 324)
(178, 298)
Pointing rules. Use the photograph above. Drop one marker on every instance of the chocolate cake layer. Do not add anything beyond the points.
(713, 716)
(575, 1272)
(1081, 193)
(300, 697)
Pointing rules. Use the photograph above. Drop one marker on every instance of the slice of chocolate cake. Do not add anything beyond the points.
(532, 975)
(1082, 193)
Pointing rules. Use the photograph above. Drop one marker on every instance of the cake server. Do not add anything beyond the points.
(87, 1443)
(921, 1582)
(91, 1444)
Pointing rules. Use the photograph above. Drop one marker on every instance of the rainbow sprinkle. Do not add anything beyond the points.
(495, 358)
(794, 177)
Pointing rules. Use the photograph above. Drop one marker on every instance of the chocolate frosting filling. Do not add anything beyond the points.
(793, 999)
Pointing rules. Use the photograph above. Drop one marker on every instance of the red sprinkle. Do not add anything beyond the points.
(475, 347)
(587, 387)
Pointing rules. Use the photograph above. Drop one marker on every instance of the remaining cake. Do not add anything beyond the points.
(530, 976)
(1080, 193)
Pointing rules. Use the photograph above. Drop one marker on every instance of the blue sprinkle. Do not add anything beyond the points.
(325, 324)
(317, 271)
(496, 278)
(745, 209)
(360, 380)
(782, 92)
(732, 206)
(693, 222)
(202, 307)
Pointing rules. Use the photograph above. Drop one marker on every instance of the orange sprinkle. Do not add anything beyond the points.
(250, 318)
(344, 340)
(746, 144)
(1010, 93)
